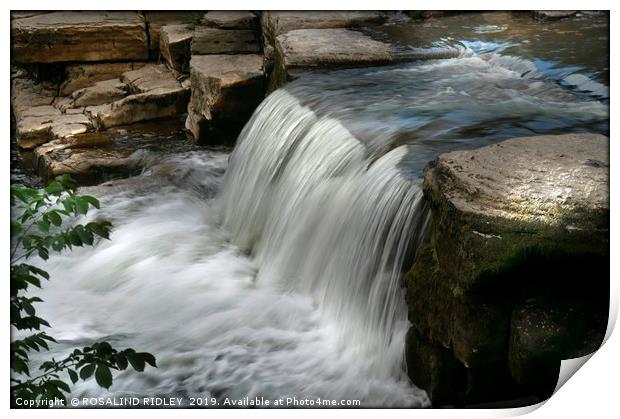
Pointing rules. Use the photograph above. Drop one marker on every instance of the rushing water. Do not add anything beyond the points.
(275, 271)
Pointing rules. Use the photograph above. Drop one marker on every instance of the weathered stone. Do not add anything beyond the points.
(26, 93)
(35, 130)
(175, 46)
(63, 103)
(156, 103)
(553, 14)
(157, 19)
(99, 93)
(79, 36)
(224, 41)
(79, 76)
(225, 89)
(150, 77)
(230, 20)
(547, 192)
(88, 158)
(308, 49)
(276, 23)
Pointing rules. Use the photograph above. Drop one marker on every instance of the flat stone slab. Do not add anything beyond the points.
(35, 130)
(175, 46)
(330, 47)
(553, 14)
(230, 20)
(150, 77)
(224, 41)
(225, 88)
(89, 158)
(276, 23)
(99, 93)
(79, 36)
(26, 93)
(79, 76)
(157, 19)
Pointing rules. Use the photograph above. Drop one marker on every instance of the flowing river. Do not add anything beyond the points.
(275, 270)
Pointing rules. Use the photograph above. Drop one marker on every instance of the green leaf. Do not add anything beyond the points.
(149, 358)
(81, 205)
(61, 385)
(87, 371)
(54, 188)
(16, 228)
(121, 361)
(136, 360)
(73, 375)
(103, 376)
(43, 225)
(91, 200)
(54, 218)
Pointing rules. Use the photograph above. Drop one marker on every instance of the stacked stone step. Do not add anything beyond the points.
(223, 57)
(107, 80)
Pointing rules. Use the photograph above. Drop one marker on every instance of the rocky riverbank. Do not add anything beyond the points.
(515, 276)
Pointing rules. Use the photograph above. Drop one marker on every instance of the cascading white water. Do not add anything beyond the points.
(282, 277)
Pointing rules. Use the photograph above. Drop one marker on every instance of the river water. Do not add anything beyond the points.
(274, 271)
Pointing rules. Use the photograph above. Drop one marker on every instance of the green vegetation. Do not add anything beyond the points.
(38, 226)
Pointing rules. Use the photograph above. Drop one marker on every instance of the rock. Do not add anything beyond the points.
(35, 130)
(89, 158)
(547, 330)
(549, 192)
(150, 77)
(63, 103)
(175, 46)
(224, 41)
(99, 93)
(26, 93)
(79, 76)
(230, 20)
(525, 220)
(157, 103)
(157, 19)
(309, 49)
(546, 15)
(79, 36)
(276, 23)
(225, 89)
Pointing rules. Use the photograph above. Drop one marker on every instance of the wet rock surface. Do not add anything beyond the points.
(79, 36)
(79, 76)
(516, 227)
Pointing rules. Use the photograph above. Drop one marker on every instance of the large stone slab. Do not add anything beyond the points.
(33, 130)
(224, 41)
(157, 103)
(79, 36)
(89, 158)
(225, 89)
(106, 91)
(150, 77)
(235, 19)
(276, 23)
(79, 76)
(175, 46)
(156, 19)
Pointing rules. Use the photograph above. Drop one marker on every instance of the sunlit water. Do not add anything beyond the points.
(275, 271)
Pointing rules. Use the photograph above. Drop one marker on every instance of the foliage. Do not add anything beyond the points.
(37, 229)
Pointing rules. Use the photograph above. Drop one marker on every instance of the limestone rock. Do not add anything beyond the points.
(157, 103)
(545, 191)
(79, 36)
(150, 77)
(276, 23)
(175, 46)
(156, 19)
(99, 93)
(546, 15)
(35, 130)
(225, 89)
(88, 158)
(224, 41)
(230, 20)
(26, 93)
(79, 76)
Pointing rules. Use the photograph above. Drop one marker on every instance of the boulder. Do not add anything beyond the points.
(276, 23)
(157, 19)
(89, 158)
(175, 46)
(549, 193)
(515, 229)
(38, 129)
(225, 89)
(79, 76)
(224, 41)
(230, 20)
(79, 36)
(99, 93)
(157, 103)
(546, 15)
